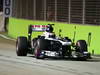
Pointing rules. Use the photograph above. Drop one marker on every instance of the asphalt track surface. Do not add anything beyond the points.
(11, 64)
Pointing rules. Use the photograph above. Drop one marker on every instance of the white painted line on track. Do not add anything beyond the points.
(3, 36)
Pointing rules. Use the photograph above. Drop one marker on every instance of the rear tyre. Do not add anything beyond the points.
(22, 46)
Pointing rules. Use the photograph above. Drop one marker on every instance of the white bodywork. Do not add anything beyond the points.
(47, 34)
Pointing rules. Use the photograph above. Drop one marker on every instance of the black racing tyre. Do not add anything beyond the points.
(22, 46)
(41, 44)
(38, 50)
(37, 53)
(81, 46)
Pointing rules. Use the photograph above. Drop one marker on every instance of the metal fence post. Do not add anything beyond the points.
(34, 9)
(83, 11)
(44, 10)
(21, 1)
(27, 9)
(69, 17)
(55, 10)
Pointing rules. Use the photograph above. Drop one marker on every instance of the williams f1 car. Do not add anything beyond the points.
(50, 45)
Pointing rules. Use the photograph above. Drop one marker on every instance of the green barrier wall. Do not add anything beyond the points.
(19, 27)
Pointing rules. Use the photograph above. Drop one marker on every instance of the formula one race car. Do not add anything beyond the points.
(49, 45)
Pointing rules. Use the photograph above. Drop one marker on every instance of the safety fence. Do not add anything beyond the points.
(69, 11)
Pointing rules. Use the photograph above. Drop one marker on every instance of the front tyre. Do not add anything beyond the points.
(21, 46)
(81, 50)
(38, 50)
(81, 46)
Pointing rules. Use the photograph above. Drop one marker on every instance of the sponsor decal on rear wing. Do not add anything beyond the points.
(39, 27)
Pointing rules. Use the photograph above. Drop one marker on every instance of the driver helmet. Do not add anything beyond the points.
(49, 29)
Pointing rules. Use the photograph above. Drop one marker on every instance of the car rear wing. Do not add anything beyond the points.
(36, 28)
(39, 28)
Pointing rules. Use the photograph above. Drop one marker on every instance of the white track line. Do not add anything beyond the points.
(3, 36)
